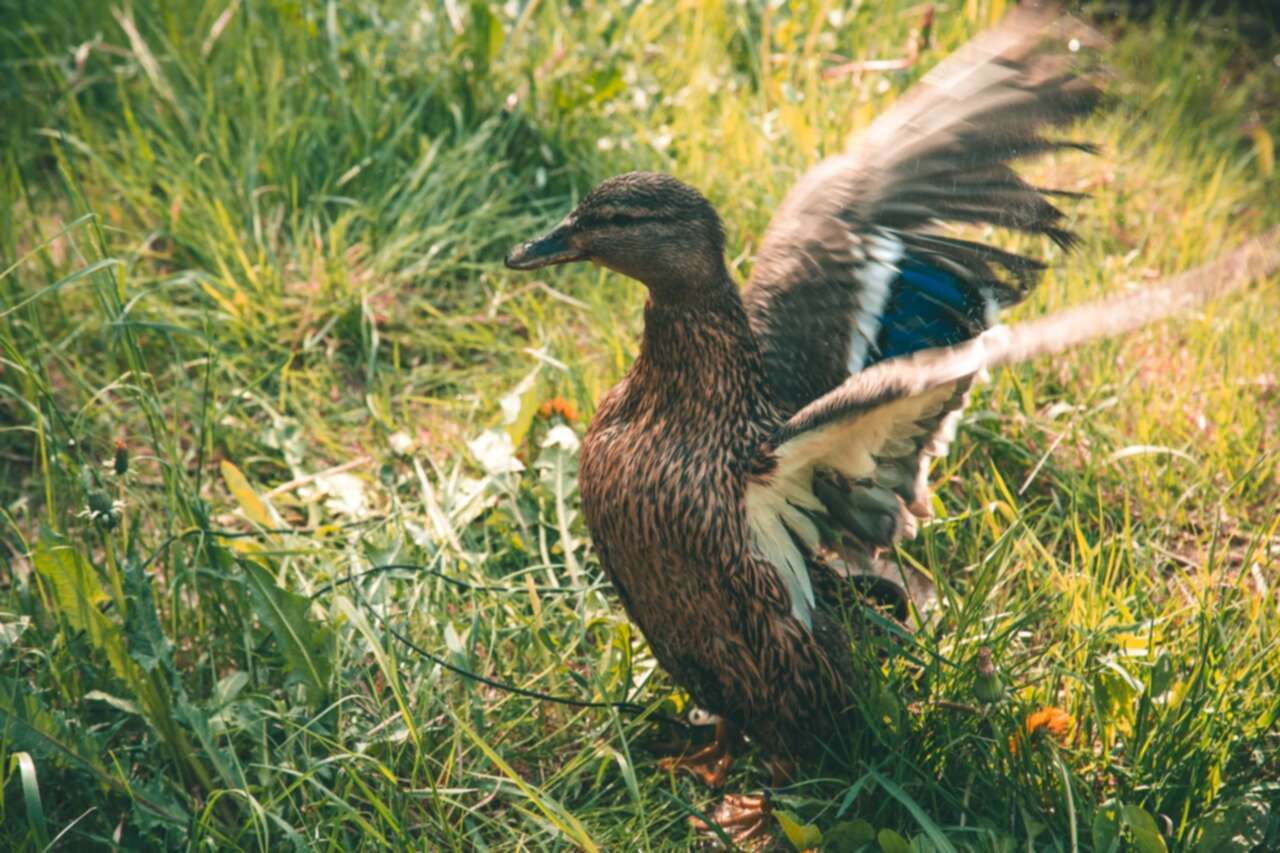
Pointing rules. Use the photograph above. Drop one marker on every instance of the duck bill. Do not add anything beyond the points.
(550, 249)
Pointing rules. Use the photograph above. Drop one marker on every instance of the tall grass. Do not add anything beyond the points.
(253, 322)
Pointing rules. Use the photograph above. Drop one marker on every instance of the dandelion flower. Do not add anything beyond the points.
(1049, 722)
(559, 406)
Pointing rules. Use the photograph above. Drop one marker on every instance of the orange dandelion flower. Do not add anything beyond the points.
(1054, 721)
(559, 406)
(1050, 721)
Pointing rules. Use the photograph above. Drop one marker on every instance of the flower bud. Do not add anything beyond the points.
(102, 510)
(987, 686)
(121, 462)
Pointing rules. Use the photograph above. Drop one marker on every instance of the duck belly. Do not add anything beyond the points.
(782, 683)
(720, 623)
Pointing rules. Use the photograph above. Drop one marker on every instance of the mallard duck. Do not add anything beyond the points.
(769, 442)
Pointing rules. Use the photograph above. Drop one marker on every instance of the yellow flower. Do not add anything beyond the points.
(1053, 722)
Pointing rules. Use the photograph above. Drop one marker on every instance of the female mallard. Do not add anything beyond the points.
(760, 432)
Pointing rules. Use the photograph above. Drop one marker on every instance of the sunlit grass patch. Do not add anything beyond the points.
(259, 245)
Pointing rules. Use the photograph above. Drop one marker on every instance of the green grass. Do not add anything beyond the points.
(260, 241)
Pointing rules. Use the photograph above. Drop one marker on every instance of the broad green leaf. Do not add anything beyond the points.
(892, 842)
(255, 508)
(1146, 834)
(485, 34)
(26, 767)
(1116, 690)
(77, 591)
(1239, 828)
(26, 724)
(1266, 149)
(305, 644)
(1163, 675)
(1106, 829)
(229, 687)
(606, 84)
(848, 836)
(196, 721)
(802, 836)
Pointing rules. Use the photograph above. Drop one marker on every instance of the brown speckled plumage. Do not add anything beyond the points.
(765, 444)
(664, 469)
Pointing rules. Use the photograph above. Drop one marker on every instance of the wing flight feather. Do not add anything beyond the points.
(861, 431)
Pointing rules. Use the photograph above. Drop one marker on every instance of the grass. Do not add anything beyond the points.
(257, 245)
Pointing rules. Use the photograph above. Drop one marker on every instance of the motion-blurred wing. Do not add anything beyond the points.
(870, 433)
(852, 269)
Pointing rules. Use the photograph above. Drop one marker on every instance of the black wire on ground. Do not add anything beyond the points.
(507, 687)
(253, 534)
(458, 582)
(463, 672)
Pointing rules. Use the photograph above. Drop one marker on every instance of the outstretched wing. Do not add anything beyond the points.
(869, 429)
(853, 270)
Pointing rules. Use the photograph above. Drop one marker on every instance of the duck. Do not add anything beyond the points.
(771, 442)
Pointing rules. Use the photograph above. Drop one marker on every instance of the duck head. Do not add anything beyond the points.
(645, 225)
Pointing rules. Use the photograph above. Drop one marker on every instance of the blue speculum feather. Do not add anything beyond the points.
(927, 307)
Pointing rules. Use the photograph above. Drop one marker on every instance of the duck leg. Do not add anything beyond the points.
(745, 817)
(711, 763)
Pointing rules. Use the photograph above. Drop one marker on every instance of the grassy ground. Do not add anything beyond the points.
(255, 246)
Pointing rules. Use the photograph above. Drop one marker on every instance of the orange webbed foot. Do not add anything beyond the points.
(743, 817)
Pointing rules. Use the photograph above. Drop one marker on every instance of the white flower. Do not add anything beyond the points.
(401, 443)
(495, 452)
(345, 494)
(561, 436)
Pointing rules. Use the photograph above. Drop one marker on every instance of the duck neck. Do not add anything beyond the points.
(700, 344)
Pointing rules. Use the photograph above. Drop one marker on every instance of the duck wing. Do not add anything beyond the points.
(874, 428)
(852, 269)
